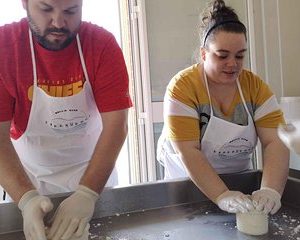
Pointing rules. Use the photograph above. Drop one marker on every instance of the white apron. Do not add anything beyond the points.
(60, 137)
(227, 146)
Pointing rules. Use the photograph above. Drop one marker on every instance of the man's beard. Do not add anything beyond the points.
(51, 45)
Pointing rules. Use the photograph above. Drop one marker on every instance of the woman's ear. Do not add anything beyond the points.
(24, 3)
(203, 53)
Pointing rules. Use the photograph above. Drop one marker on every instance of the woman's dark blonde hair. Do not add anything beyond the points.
(219, 17)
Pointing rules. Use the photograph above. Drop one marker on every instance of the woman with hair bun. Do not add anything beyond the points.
(214, 113)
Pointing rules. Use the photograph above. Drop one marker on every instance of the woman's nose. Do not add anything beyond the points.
(232, 62)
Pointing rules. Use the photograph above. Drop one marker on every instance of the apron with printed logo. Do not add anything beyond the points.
(227, 146)
(60, 137)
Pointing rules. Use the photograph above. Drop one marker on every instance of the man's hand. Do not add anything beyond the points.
(266, 200)
(84, 236)
(73, 214)
(234, 201)
(34, 207)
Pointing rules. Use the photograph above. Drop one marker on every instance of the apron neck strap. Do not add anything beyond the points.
(34, 60)
(209, 97)
(207, 90)
(82, 58)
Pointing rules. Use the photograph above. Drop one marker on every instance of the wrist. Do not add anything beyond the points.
(272, 190)
(27, 196)
(220, 196)
(88, 192)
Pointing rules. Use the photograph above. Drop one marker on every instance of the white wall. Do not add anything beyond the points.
(173, 37)
(290, 47)
(277, 49)
(277, 45)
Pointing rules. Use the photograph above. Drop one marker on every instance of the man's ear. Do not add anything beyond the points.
(203, 53)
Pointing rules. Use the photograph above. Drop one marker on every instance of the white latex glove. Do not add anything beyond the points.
(266, 200)
(84, 236)
(73, 214)
(234, 202)
(290, 135)
(34, 207)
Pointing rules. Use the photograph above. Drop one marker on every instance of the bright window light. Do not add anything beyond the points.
(104, 13)
(11, 11)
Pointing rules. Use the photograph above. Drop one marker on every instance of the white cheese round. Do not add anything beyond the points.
(252, 223)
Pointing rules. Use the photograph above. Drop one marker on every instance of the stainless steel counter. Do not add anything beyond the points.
(196, 221)
(172, 211)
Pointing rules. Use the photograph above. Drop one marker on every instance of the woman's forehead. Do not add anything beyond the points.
(223, 39)
(61, 3)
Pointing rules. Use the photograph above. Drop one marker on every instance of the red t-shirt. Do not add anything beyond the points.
(59, 73)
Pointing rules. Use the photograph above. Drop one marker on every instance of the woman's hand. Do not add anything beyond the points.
(266, 200)
(290, 136)
(234, 202)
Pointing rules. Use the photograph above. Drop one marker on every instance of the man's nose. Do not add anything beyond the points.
(58, 21)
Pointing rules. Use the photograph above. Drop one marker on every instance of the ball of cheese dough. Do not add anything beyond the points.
(252, 223)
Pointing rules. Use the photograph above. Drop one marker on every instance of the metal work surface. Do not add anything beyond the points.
(136, 198)
(199, 221)
(174, 210)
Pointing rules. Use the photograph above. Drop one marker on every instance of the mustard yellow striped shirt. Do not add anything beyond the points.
(187, 107)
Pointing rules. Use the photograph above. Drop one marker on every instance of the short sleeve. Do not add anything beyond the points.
(111, 83)
(6, 103)
(180, 108)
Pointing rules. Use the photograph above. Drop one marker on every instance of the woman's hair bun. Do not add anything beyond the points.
(217, 16)
(220, 12)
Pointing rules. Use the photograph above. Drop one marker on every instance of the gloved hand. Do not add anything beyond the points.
(34, 207)
(266, 200)
(73, 214)
(290, 135)
(234, 202)
(84, 236)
